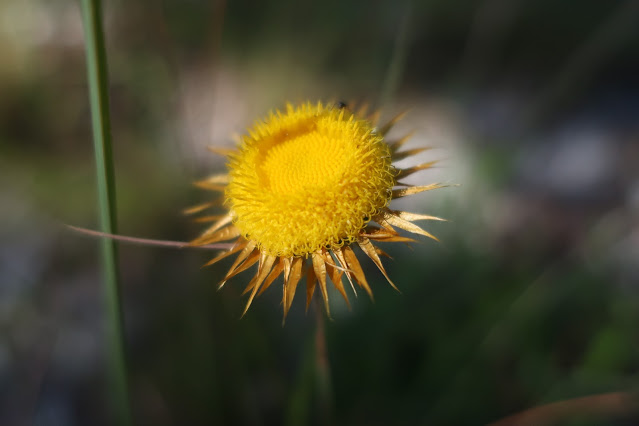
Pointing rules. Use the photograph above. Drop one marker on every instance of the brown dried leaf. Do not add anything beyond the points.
(291, 284)
(342, 260)
(276, 272)
(246, 251)
(374, 117)
(408, 226)
(211, 218)
(409, 153)
(369, 249)
(311, 280)
(358, 273)
(413, 216)
(396, 145)
(335, 272)
(250, 261)
(266, 264)
(386, 127)
(410, 170)
(203, 206)
(320, 272)
(225, 152)
(403, 192)
(236, 247)
(224, 234)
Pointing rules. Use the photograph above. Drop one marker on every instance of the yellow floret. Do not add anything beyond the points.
(308, 178)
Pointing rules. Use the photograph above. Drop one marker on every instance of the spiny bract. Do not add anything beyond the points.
(304, 183)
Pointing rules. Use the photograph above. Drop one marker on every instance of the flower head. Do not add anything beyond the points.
(307, 183)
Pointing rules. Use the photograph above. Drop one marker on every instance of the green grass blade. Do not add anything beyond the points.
(99, 99)
(399, 55)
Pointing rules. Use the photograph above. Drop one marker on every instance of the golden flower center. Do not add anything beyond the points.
(307, 179)
(309, 160)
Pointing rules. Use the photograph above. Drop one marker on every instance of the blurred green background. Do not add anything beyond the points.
(531, 297)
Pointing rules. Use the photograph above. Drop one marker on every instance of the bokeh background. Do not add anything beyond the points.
(532, 295)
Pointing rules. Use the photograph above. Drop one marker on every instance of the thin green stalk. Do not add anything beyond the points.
(301, 399)
(99, 99)
(399, 55)
(313, 387)
(322, 369)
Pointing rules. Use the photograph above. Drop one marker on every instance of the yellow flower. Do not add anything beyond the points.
(307, 183)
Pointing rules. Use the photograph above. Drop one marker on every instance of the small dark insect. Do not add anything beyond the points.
(341, 105)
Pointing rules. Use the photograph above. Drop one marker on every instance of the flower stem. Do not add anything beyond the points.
(322, 368)
(399, 55)
(99, 100)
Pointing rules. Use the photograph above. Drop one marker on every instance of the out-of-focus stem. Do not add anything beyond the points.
(99, 100)
(322, 368)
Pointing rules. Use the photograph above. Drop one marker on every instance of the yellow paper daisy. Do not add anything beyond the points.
(303, 189)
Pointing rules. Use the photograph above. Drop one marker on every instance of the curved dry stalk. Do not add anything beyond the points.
(606, 404)
(147, 241)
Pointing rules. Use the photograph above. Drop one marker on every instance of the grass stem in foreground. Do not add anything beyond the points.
(99, 100)
(322, 368)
